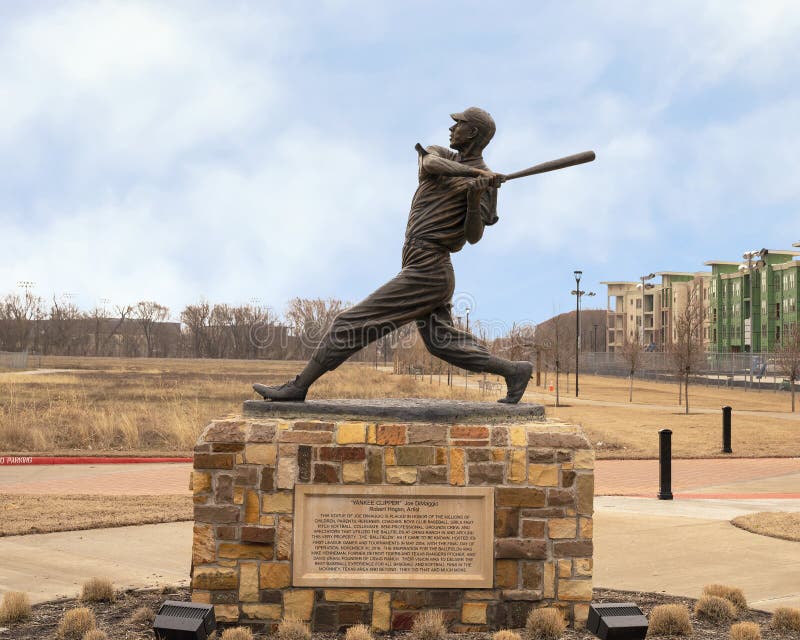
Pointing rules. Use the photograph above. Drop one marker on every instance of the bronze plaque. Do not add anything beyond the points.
(378, 536)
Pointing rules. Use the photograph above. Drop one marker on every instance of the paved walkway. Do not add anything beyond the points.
(734, 478)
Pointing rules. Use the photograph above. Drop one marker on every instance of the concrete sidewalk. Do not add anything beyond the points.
(54, 565)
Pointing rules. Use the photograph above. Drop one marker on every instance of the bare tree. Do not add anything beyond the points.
(632, 351)
(553, 336)
(19, 317)
(787, 356)
(195, 317)
(686, 351)
(149, 314)
(311, 319)
(61, 333)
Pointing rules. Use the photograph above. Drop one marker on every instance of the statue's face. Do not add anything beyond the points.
(461, 134)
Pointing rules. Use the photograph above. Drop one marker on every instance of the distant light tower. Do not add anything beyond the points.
(26, 284)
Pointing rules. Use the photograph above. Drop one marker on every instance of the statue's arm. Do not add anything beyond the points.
(434, 163)
(481, 208)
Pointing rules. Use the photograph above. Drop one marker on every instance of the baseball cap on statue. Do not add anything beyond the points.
(479, 118)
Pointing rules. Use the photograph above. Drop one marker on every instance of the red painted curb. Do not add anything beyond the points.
(27, 460)
(715, 496)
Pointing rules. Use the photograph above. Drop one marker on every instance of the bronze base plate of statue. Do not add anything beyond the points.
(455, 201)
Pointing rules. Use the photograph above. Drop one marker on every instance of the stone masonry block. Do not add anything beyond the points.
(225, 432)
(520, 548)
(575, 590)
(347, 595)
(522, 497)
(562, 528)
(342, 454)
(401, 475)
(264, 454)
(306, 437)
(298, 604)
(248, 582)
(415, 455)
(210, 579)
(469, 432)
(351, 433)
(262, 432)
(543, 475)
(381, 611)
(486, 473)
(282, 502)
(275, 575)
(216, 514)
(473, 613)
(457, 468)
(391, 434)
(203, 545)
(261, 611)
(353, 472)
(213, 461)
(427, 434)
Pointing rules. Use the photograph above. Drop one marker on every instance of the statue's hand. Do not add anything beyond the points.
(495, 179)
(487, 179)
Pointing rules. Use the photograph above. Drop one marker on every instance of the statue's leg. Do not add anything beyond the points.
(462, 349)
(404, 298)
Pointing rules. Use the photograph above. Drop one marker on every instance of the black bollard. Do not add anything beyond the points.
(726, 430)
(665, 464)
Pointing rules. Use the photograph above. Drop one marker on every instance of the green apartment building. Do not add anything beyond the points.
(752, 303)
(747, 305)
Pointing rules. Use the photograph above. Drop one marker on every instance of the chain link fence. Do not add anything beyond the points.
(13, 360)
(720, 369)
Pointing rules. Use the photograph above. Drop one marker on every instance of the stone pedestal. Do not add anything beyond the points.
(425, 457)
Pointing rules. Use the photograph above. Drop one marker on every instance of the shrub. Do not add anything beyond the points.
(506, 634)
(75, 624)
(670, 620)
(95, 634)
(732, 594)
(98, 590)
(358, 632)
(745, 631)
(291, 629)
(429, 625)
(237, 633)
(715, 609)
(143, 615)
(15, 606)
(546, 623)
(785, 619)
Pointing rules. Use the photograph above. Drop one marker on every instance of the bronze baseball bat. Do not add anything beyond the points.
(552, 165)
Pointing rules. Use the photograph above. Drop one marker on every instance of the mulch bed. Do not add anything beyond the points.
(114, 618)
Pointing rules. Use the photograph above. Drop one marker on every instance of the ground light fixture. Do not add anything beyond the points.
(177, 620)
(617, 621)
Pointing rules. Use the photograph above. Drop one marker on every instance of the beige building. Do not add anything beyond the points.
(646, 312)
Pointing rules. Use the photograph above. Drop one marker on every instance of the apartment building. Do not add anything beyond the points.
(752, 303)
(746, 305)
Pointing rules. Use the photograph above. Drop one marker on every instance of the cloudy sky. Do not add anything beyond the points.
(244, 151)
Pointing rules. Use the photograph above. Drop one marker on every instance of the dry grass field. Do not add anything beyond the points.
(775, 524)
(160, 405)
(24, 514)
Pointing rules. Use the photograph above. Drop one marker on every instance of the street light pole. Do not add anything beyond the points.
(578, 293)
(578, 275)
